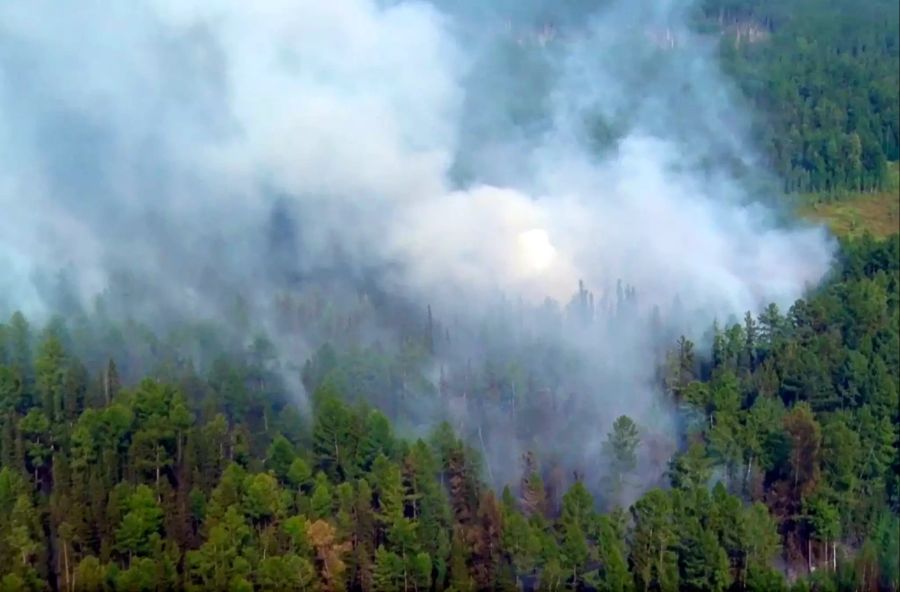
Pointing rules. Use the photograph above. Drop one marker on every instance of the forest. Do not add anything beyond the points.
(126, 468)
(822, 76)
(275, 390)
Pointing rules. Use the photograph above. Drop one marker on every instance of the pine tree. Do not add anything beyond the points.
(484, 537)
(363, 537)
(50, 375)
(142, 520)
(322, 502)
(577, 520)
(335, 436)
(620, 452)
(612, 554)
(534, 496)
(653, 560)
(378, 439)
(389, 574)
(280, 457)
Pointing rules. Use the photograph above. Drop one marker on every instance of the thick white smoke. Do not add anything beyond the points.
(157, 137)
(127, 127)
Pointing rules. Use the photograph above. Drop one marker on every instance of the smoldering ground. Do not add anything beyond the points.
(444, 153)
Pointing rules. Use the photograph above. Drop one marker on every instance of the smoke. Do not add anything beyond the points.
(448, 153)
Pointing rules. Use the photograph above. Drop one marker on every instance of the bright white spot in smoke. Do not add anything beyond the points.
(204, 149)
(536, 251)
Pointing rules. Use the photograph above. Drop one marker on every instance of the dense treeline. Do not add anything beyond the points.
(823, 75)
(214, 480)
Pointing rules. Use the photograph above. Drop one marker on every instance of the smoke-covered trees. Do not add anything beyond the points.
(620, 450)
(185, 481)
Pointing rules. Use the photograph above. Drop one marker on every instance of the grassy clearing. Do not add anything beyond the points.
(853, 214)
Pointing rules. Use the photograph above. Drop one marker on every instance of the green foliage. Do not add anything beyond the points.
(280, 457)
(613, 575)
(262, 500)
(790, 458)
(288, 573)
(141, 524)
(322, 501)
(823, 77)
(887, 540)
(223, 558)
(620, 451)
(653, 556)
(90, 575)
(336, 434)
(299, 474)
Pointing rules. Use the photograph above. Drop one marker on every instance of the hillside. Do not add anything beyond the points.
(441, 296)
(822, 76)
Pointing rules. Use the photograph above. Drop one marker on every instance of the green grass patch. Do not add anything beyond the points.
(852, 214)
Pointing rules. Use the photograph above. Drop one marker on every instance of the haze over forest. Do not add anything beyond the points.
(395, 295)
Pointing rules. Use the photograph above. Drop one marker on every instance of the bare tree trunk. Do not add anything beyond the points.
(66, 563)
(487, 460)
(158, 497)
(809, 564)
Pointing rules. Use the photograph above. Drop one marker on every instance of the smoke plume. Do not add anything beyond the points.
(457, 154)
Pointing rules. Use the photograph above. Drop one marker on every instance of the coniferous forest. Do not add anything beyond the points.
(126, 468)
(363, 442)
(824, 77)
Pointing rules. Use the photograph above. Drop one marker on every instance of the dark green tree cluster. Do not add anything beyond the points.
(214, 481)
(823, 76)
(799, 411)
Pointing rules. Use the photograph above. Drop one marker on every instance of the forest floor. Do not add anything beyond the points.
(852, 214)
